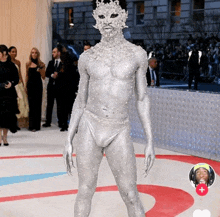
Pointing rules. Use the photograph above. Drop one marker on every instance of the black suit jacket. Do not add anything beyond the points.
(67, 79)
(49, 71)
(149, 78)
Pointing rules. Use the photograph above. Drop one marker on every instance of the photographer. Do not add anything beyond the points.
(8, 79)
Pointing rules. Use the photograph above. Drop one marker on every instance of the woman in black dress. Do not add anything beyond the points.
(35, 71)
(22, 99)
(8, 108)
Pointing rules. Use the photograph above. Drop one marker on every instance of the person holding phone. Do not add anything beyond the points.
(8, 79)
(35, 71)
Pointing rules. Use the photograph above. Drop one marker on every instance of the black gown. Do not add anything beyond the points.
(8, 97)
(35, 91)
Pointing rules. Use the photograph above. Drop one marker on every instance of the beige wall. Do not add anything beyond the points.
(26, 24)
(56, 1)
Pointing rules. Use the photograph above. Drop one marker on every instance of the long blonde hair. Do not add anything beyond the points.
(40, 63)
(38, 56)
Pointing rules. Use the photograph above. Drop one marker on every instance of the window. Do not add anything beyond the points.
(83, 16)
(198, 10)
(69, 18)
(175, 10)
(155, 12)
(139, 13)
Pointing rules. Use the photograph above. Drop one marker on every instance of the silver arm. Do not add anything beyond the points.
(77, 112)
(143, 108)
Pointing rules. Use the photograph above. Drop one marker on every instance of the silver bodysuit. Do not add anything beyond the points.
(103, 130)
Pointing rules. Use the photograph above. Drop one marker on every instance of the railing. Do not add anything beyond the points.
(178, 69)
(175, 68)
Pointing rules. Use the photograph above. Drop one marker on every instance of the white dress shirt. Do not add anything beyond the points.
(57, 61)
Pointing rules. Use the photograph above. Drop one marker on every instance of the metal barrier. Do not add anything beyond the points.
(174, 67)
(179, 69)
(182, 121)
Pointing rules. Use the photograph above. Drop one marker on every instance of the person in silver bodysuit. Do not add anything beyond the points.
(110, 72)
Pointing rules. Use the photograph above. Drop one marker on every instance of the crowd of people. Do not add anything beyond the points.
(175, 52)
(21, 102)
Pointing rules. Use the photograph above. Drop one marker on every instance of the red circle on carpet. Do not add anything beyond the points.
(169, 201)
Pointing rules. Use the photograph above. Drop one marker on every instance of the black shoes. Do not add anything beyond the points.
(33, 130)
(62, 128)
(5, 144)
(46, 125)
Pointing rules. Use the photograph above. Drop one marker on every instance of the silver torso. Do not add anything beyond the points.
(111, 80)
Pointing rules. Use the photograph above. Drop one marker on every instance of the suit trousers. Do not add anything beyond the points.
(62, 108)
(196, 76)
(51, 96)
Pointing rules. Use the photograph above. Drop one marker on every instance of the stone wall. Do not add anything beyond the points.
(83, 20)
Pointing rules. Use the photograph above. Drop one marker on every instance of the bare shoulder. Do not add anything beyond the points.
(139, 51)
(17, 62)
(28, 63)
(84, 56)
(42, 64)
(82, 63)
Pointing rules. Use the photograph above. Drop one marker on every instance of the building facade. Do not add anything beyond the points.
(149, 21)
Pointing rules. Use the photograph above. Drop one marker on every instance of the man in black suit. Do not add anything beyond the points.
(194, 65)
(52, 73)
(152, 73)
(67, 86)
